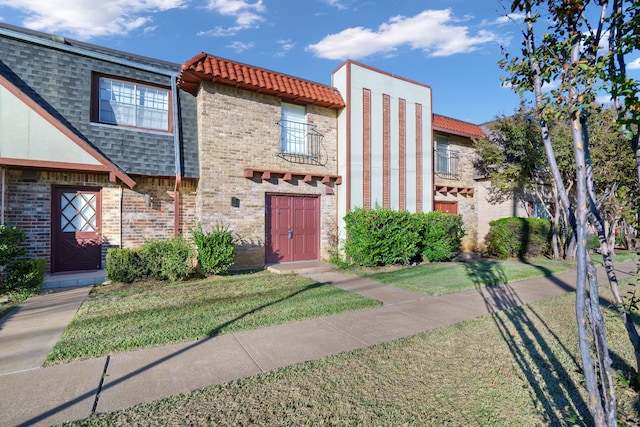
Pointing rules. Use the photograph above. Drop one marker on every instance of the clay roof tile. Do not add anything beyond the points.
(204, 67)
(457, 127)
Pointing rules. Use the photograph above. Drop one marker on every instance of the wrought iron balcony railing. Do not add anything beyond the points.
(300, 143)
(447, 164)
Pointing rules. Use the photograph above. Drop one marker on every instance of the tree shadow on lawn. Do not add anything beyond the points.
(213, 334)
(550, 382)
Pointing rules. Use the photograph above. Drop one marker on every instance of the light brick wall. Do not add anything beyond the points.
(126, 221)
(238, 129)
(467, 203)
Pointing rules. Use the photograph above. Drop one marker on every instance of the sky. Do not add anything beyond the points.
(453, 46)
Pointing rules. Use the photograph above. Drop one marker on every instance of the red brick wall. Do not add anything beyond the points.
(126, 220)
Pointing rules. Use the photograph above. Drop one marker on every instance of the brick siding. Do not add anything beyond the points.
(238, 129)
(126, 220)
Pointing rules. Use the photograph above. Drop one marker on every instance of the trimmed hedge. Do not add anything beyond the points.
(384, 237)
(519, 237)
(18, 275)
(441, 235)
(215, 249)
(164, 259)
(26, 275)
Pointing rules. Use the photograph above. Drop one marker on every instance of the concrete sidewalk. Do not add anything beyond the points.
(76, 390)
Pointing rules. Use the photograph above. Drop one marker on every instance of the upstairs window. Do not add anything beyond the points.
(446, 160)
(293, 129)
(299, 141)
(132, 104)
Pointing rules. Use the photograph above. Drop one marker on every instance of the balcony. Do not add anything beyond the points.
(447, 164)
(301, 143)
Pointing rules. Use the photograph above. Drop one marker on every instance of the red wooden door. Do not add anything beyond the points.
(446, 207)
(292, 228)
(76, 222)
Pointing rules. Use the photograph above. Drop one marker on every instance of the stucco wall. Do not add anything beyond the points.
(385, 141)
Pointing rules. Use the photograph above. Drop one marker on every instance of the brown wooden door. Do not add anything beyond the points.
(76, 223)
(292, 228)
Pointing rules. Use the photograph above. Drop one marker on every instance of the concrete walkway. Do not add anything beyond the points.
(75, 390)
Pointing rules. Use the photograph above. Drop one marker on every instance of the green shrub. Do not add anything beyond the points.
(380, 237)
(25, 275)
(519, 237)
(441, 235)
(10, 240)
(215, 249)
(167, 259)
(383, 236)
(125, 265)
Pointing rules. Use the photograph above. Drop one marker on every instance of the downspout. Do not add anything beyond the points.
(2, 199)
(178, 159)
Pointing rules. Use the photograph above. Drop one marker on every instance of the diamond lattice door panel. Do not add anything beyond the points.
(76, 236)
(292, 228)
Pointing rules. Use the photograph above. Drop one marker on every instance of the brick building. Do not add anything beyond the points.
(101, 148)
(455, 186)
(267, 153)
(98, 148)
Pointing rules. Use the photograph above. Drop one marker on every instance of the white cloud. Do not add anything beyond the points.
(509, 18)
(434, 31)
(221, 32)
(634, 65)
(285, 46)
(338, 4)
(246, 14)
(85, 19)
(239, 46)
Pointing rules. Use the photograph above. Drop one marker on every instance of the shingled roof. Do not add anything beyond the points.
(456, 127)
(205, 67)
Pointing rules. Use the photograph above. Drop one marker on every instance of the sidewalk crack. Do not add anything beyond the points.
(104, 374)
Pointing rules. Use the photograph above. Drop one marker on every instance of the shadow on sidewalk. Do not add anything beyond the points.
(520, 328)
(212, 334)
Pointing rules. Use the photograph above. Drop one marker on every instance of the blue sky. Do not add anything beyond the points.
(451, 45)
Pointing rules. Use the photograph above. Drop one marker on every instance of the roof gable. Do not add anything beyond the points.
(456, 127)
(44, 141)
(205, 67)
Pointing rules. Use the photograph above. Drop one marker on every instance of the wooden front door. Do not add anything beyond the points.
(292, 228)
(446, 207)
(76, 223)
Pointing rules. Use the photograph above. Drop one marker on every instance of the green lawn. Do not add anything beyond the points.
(121, 317)
(447, 277)
(515, 368)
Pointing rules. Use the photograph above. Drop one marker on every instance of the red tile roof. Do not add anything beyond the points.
(205, 67)
(456, 127)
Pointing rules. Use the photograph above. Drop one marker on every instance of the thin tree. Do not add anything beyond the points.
(568, 53)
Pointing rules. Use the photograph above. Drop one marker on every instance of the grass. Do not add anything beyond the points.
(120, 317)
(447, 277)
(513, 368)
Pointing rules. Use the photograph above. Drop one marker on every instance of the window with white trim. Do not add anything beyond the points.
(446, 160)
(126, 103)
(293, 129)
(442, 157)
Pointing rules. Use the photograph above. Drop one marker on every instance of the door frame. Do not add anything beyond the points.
(55, 223)
(268, 236)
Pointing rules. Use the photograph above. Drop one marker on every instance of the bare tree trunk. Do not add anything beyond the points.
(556, 221)
(586, 312)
